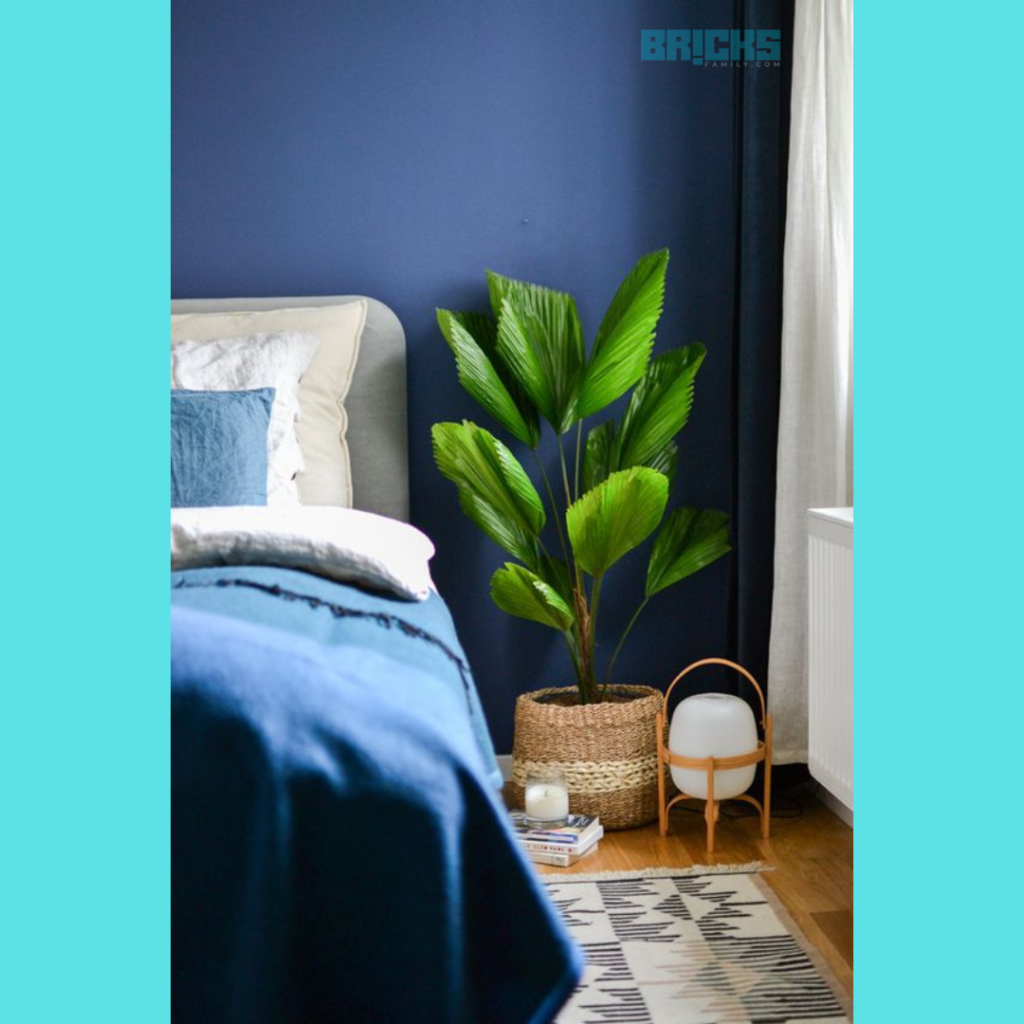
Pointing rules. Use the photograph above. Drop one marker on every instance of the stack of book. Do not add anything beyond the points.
(560, 846)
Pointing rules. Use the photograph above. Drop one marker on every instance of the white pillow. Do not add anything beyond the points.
(327, 476)
(276, 361)
(339, 543)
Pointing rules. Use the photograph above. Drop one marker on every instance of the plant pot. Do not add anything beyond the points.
(608, 751)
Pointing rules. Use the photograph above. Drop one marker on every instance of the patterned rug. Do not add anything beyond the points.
(690, 946)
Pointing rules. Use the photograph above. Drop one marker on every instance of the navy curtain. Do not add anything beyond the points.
(761, 140)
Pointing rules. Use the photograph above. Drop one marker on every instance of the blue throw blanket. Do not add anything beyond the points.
(339, 850)
(416, 633)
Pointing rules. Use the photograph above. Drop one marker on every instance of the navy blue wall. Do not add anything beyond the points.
(396, 149)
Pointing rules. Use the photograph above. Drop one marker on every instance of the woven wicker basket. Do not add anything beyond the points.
(608, 751)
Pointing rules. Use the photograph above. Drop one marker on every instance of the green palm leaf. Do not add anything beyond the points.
(522, 593)
(666, 461)
(660, 405)
(626, 335)
(600, 455)
(480, 377)
(484, 331)
(540, 340)
(615, 517)
(689, 540)
(479, 464)
(555, 573)
(505, 532)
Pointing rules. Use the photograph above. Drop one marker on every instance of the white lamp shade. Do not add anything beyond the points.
(713, 725)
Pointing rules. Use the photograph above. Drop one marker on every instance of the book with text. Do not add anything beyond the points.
(578, 831)
(542, 844)
(559, 860)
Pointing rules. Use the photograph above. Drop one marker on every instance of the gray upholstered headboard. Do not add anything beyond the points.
(378, 431)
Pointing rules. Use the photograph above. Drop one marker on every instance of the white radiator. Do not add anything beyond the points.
(830, 650)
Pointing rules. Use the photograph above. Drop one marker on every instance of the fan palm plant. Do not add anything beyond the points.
(526, 362)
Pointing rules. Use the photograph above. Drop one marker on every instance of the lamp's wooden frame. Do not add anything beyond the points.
(713, 764)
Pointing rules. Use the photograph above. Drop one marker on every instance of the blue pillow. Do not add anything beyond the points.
(219, 447)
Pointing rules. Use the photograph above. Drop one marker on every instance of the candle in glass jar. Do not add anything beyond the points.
(546, 801)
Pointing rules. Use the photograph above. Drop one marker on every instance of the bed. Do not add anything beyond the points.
(340, 851)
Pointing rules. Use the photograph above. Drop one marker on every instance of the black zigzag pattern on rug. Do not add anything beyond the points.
(686, 949)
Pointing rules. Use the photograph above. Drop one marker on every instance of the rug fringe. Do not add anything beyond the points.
(750, 868)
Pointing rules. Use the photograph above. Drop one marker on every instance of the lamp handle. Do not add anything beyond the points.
(728, 664)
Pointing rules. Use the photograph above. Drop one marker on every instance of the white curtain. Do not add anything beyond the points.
(815, 458)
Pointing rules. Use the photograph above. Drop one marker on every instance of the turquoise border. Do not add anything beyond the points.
(84, 727)
(83, 706)
(939, 374)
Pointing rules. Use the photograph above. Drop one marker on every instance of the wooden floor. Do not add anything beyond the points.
(812, 854)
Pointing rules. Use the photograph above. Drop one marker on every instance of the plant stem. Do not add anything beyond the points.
(579, 651)
(574, 653)
(568, 501)
(622, 640)
(554, 508)
(595, 597)
(565, 473)
(585, 617)
(576, 474)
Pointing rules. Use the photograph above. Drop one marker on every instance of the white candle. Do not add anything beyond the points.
(547, 802)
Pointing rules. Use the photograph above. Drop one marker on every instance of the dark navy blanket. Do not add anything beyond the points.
(339, 851)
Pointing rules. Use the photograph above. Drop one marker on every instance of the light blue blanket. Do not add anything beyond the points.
(416, 633)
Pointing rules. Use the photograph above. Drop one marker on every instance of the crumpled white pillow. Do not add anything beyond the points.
(326, 478)
(340, 543)
(276, 360)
